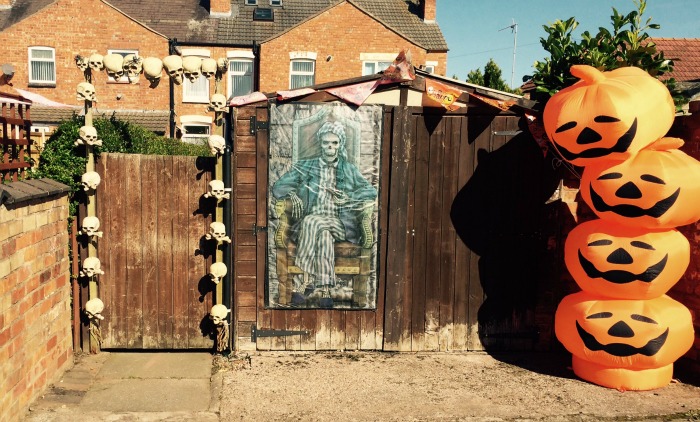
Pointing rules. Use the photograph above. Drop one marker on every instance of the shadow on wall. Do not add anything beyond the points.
(501, 215)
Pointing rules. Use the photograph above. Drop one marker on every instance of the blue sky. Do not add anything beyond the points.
(471, 28)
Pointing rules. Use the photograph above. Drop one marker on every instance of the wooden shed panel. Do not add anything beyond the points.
(164, 253)
(149, 220)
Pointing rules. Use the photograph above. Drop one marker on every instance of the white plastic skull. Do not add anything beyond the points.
(173, 65)
(216, 143)
(222, 64)
(217, 271)
(192, 67)
(152, 69)
(86, 92)
(91, 267)
(96, 62)
(94, 308)
(218, 191)
(218, 314)
(81, 62)
(217, 231)
(90, 226)
(88, 136)
(209, 67)
(90, 180)
(114, 65)
(217, 103)
(133, 66)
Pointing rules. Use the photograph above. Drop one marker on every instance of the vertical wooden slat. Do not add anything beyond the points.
(166, 214)
(352, 331)
(116, 173)
(462, 253)
(180, 258)
(447, 239)
(134, 253)
(264, 315)
(338, 330)
(323, 329)
(149, 220)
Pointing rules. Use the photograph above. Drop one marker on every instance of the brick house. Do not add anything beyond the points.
(270, 44)
(685, 53)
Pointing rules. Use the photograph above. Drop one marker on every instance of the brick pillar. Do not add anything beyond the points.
(428, 10)
(217, 8)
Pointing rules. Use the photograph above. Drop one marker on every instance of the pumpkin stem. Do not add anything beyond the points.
(665, 144)
(587, 73)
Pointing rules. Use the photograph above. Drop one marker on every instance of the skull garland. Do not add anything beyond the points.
(133, 66)
(90, 226)
(85, 92)
(114, 65)
(209, 67)
(94, 308)
(218, 191)
(192, 68)
(173, 65)
(88, 136)
(96, 62)
(91, 267)
(217, 231)
(81, 62)
(217, 144)
(153, 69)
(218, 314)
(217, 271)
(217, 103)
(90, 180)
(222, 65)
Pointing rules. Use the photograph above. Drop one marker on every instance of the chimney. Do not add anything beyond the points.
(428, 10)
(217, 8)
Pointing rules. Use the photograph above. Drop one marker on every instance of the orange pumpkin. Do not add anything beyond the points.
(622, 378)
(653, 189)
(628, 334)
(625, 262)
(607, 115)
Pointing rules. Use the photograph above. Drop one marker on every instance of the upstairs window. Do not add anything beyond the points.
(275, 2)
(302, 73)
(42, 66)
(241, 72)
(123, 53)
(251, 2)
(372, 67)
(197, 91)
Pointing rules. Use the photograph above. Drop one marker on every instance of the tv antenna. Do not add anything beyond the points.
(514, 29)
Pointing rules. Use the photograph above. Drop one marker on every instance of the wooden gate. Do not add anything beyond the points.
(155, 287)
(431, 290)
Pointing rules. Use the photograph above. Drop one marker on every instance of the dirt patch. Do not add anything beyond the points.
(356, 386)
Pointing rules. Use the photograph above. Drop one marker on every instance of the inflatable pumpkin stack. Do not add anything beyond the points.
(623, 331)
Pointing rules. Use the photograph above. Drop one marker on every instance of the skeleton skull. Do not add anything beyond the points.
(152, 69)
(90, 226)
(96, 62)
(90, 180)
(217, 102)
(222, 64)
(218, 191)
(217, 271)
(209, 67)
(114, 65)
(91, 267)
(88, 136)
(218, 314)
(217, 231)
(330, 143)
(86, 92)
(173, 65)
(192, 67)
(133, 66)
(94, 308)
(217, 143)
(81, 62)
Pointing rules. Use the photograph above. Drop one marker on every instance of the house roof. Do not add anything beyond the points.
(20, 10)
(685, 53)
(153, 120)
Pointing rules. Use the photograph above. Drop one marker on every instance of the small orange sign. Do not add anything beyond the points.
(442, 94)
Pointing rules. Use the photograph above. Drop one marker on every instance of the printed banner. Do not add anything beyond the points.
(355, 94)
(439, 94)
(323, 206)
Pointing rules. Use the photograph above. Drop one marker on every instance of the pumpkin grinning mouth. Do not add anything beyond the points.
(621, 276)
(633, 211)
(620, 146)
(620, 349)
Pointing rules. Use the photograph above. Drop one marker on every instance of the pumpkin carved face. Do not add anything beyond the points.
(632, 334)
(625, 262)
(653, 189)
(607, 115)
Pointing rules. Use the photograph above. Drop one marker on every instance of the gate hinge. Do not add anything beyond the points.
(256, 125)
(256, 332)
(257, 229)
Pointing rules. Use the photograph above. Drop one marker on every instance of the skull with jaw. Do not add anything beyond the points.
(81, 62)
(90, 226)
(192, 67)
(209, 67)
(114, 65)
(152, 69)
(217, 231)
(132, 66)
(96, 62)
(217, 271)
(90, 180)
(330, 144)
(173, 65)
(218, 314)
(88, 136)
(91, 267)
(218, 191)
(94, 308)
(217, 144)
(217, 102)
(85, 92)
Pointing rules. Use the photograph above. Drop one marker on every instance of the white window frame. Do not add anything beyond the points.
(33, 81)
(376, 59)
(189, 94)
(301, 56)
(195, 121)
(430, 66)
(242, 56)
(122, 52)
(377, 66)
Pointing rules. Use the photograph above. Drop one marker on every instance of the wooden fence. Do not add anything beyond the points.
(15, 126)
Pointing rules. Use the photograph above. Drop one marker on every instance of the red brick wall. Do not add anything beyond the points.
(358, 33)
(35, 312)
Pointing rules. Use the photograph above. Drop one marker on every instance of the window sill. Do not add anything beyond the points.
(42, 84)
(202, 101)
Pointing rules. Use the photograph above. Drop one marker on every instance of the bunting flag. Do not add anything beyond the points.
(439, 94)
(493, 102)
(247, 99)
(355, 94)
(294, 93)
(400, 70)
